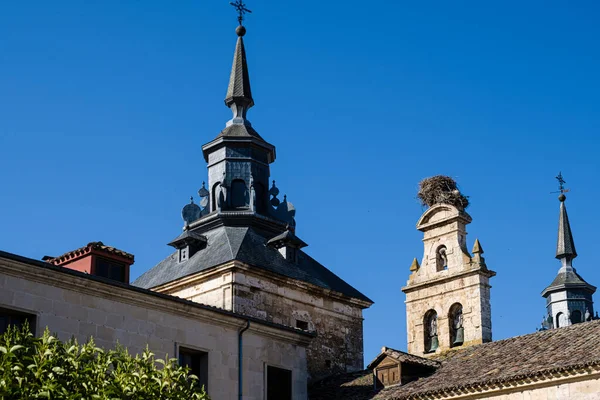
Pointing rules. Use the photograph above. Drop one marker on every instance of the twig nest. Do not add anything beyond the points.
(441, 189)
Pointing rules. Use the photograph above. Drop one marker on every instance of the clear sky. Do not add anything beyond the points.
(104, 107)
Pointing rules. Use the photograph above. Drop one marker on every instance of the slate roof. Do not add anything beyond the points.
(568, 278)
(239, 80)
(245, 244)
(551, 351)
(237, 130)
(86, 249)
(565, 246)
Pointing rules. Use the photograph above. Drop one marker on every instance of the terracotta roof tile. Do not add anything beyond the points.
(529, 356)
(536, 354)
(404, 357)
(86, 249)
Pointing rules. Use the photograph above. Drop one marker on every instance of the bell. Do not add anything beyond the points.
(459, 338)
(434, 343)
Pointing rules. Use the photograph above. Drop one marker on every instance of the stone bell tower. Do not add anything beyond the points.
(448, 293)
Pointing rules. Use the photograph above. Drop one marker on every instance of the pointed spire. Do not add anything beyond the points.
(239, 94)
(477, 249)
(565, 247)
(415, 265)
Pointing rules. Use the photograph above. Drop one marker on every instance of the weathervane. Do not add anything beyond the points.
(241, 9)
(561, 184)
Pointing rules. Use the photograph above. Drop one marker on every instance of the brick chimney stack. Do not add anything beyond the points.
(96, 259)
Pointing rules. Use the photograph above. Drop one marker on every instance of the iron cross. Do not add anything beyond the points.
(240, 7)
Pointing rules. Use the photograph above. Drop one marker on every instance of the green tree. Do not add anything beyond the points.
(46, 368)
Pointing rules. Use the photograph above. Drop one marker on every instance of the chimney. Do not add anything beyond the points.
(96, 259)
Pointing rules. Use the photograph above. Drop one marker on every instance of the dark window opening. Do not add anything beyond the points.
(110, 269)
(576, 317)
(441, 259)
(327, 363)
(302, 325)
(239, 194)
(279, 384)
(197, 362)
(261, 198)
(16, 319)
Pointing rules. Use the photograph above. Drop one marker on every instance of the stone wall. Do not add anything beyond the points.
(71, 304)
(471, 291)
(338, 321)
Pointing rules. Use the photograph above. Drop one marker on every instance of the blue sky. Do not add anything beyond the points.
(104, 107)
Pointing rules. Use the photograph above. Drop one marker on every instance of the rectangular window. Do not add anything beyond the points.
(279, 383)
(15, 318)
(110, 269)
(197, 362)
(302, 325)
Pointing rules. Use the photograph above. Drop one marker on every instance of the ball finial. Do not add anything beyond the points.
(240, 30)
(562, 197)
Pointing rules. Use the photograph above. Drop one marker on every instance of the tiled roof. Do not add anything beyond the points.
(247, 245)
(87, 249)
(350, 386)
(534, 355)
(403, 357)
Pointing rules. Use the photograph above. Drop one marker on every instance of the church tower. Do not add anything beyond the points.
(239, 250)
(448, 293)
(569, 296)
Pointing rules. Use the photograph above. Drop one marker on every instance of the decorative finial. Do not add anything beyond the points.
(191, 199)
(240, 7)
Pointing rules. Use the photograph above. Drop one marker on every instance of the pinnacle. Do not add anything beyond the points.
(477, 249)
(415, 265)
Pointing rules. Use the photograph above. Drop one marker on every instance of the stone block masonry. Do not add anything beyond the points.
(73, 305)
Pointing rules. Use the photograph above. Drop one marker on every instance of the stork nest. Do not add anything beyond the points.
(441, 189)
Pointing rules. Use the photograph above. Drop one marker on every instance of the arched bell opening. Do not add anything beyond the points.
(430, 330)
(441, 259)
(455, 320)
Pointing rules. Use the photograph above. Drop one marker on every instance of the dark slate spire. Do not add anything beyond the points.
(239, 94)
(565, 247)
(569, 296)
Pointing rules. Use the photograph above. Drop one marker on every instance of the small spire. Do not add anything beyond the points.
(239, 94)
(565, 246)
(477, 249)
(415, 265)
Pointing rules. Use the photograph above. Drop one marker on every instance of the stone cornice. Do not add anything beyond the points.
(516, 383)
(434, 282)
(236, 265)
(116, 291)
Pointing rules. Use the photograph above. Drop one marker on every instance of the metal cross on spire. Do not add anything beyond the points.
(561, 183)
(241, 9)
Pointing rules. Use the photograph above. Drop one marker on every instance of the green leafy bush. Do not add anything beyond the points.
(46, 368)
